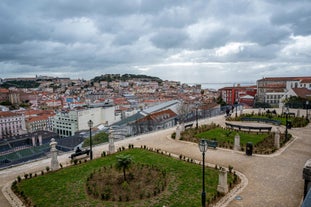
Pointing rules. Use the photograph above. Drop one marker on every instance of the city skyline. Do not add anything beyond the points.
(191, 42)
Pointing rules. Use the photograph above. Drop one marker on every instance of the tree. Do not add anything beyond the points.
(124, 162)
(183, 110)
(220, 101)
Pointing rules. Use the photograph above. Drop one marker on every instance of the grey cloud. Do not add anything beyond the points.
(298, 19)
(169, 38)
(102, 36)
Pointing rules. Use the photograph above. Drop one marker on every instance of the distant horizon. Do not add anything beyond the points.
(204, 85)
(217, 86)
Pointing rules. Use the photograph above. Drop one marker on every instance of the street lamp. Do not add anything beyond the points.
(236, 110)
(203, 149)
(196, 116)
(286, 122)
(90, 123)
(307, 107)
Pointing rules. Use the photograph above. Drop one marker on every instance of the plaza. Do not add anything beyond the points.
(269, 180)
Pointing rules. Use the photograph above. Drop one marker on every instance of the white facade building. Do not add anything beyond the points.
(68, 123)
(11, 124)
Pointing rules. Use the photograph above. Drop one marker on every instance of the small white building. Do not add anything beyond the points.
(68, 123)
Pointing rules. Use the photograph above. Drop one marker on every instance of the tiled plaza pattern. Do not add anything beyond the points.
(272, 181)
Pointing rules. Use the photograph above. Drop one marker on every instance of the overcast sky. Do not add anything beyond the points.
(189, 41)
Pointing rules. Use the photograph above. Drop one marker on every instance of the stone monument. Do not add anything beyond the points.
(222, 182)
(111, 142)
(178, 130)
(182, 128)
(237, 146)
(54, 161)
(277, 138)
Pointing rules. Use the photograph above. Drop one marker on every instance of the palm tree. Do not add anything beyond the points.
(124, 162)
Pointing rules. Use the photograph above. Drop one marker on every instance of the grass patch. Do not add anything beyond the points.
(99, 138)
(226, 136)
(263, 143)
(296, 121)
(68, 186)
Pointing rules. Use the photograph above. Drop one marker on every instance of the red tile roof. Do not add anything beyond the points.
(4, 90)
(7, 114)
(302, 92)
(284, 78)
(158, 116)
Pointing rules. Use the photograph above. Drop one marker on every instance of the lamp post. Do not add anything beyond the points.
(236, 110)
(307, 107)
(90, 123)
(286, 123)
(196, 116)
(203, 149)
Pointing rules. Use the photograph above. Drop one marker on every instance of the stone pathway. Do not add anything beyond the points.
(273, 180)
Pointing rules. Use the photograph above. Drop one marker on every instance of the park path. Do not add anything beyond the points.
(274, 181)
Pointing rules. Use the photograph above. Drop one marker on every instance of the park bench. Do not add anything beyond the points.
(291, 114)
(248, 128)
(79, 152)
(212, 143)
(188, 125)
(269, 121)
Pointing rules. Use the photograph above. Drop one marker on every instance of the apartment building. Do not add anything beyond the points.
(274, 90)
(238, 94)
(67, 123)
(37, 120)
(11, 124)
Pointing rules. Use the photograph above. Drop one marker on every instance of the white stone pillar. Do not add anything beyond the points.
(177, 137)
(277, 138)
(33, 141)
(237, 146)
(111, 142)
(222, 181)
(182, 127)
(40, 139)
(54, 161)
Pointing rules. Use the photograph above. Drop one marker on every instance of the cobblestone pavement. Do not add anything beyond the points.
(273, 181)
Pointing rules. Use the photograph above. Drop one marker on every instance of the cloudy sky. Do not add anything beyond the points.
(191, 41)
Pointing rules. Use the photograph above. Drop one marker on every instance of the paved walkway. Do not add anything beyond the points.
(274, 181)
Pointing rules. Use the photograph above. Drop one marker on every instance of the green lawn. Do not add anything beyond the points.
(67, 187)
(99, 138)
(296, 121)
(224, 135)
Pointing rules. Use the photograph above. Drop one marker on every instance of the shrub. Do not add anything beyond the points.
(230, 168)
